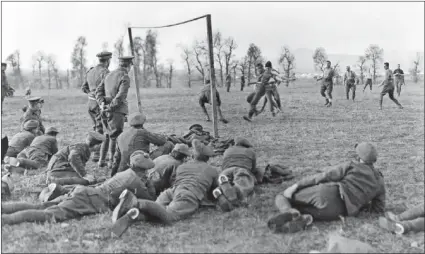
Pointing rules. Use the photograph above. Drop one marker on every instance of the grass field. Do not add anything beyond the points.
(307, 137)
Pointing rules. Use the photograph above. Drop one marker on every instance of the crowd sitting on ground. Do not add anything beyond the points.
(171, 182)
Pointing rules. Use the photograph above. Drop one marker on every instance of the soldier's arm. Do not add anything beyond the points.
(378, 203)
(76, 162)
(100, 92)
(333, 175)
(55, 147)
(122, 92)
(156, 139)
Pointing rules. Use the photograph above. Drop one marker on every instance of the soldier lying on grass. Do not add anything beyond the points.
(33, 112)
(411, 220)
(63, 204)
(22, 139)
(342, 191)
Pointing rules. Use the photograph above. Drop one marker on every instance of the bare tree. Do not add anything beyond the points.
(151, 54)
(12, 61)
(361, 64)
(67, 79)
(218, 45)
(200, 51)
(39, 59)
(186, 56)
(78, 59)
(170, 72)
(51, 67)
(414, 71)
(319, 58)
(233, 67)
(254, 55)
(229, 46)
(287, 60)
(375, 54)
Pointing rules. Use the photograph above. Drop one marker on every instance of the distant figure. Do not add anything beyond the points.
(399, 79)
(228, 82)
(4, 84)
(242, 82)
(368, 80)
(327, 83)
(350, 82)
(27, 92)
(388, 87)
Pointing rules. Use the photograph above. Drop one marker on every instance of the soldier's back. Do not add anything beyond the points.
(22, 139)
(46, 143)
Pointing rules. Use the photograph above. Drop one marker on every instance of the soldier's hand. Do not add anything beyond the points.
(290, 191)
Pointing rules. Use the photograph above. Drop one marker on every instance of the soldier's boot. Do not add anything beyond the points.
(223, 203)
(103, 152)
(6, 186)
(96, 154)
(28, 164)
(112, 148)
(380, 102)
(122, 224)
(207, 118)
(295, 225)
(230, 192)
(221, 116)
(327, 102)
(127, 201)
(51, 192)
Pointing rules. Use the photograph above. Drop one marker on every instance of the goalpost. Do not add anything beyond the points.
(211, 65)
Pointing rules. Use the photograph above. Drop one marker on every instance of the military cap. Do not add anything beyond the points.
(95, 138)
(182, 148)
(104, 55)
(30, 125)
(196, 127)
(367, 152)
(202, 149)
(136, 119)
(35, 99)
(51, 130)
(259, 65)
(269, 64)
(239, 141)
(3, 64)
(126, 59)
(386, 63)
(141, 160)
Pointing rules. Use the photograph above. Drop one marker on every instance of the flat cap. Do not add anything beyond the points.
(367, 152)
(51, 130)
(269, 64)
(3, 64)
(126, 59)
(95, 138)
(202, 149)
(104, 55)
(182, 148)
(141, 160)
(35, 99)
(239, 141)
(196, 127)
(30, 125)
(136, 119)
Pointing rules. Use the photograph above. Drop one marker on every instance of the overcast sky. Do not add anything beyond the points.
(346, 28)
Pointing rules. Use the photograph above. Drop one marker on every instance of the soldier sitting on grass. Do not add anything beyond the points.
(33, 112)
(37, 155)
(342, 191)
(67, 166)
(22, 139)
(60, 204)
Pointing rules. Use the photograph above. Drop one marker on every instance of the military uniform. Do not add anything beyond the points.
(399, 80)
(83, 200)
(4, 84)
(368, 81)
(205, 96)
(242, 82)
(22, 139)
(327, 84)
(350, 83)
(137, 138)
(388, 88)
(37, 155)
(113, 91)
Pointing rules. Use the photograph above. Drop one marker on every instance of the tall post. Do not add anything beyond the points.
(212, 75)
(135, 71)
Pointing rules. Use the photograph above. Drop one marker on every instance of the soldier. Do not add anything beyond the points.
(341, 191)
(40, 151)
(111, 95)
(137, 138)
(408, 221)
(27, 92)
(350, 82)
(388, 87)
(22, 139)
(193, 182)
(242, 82)
(160, 175)
(4, 84)
(205, 97)
(63, 204)
(239, 165)
(399, 79)
(33, 112)
(368, 80)
(94, 76)
(228, 82)
(67, 166)
(327, 83)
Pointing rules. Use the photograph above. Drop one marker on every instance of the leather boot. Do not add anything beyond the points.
(103, 152)
(96, 154)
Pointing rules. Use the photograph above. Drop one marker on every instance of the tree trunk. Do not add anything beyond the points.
(48, 76)
(39, 74)
(67, 79)
(249, 72)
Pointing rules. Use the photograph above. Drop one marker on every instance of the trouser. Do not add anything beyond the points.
(322, 201)
(66, 178)
(94, 112)
(228, 87)
(399, 83)
(348, 87)
(241, 178)
(173, 204)
(115, 128)
(368, 82)
(326, 87)
(82, 201)
(32, 158)
(12, 151)
(413, 219)
(259, 93)
(276, 96)
(242, 86)
(390, 90)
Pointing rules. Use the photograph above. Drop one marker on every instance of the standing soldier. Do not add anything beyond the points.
(327, 83)
(368, 81)
(399, 79)
(350, 82)
(4, 84)
(242, 82)
(388, 87)
(93, 78)
(228, 82)
(111, 95)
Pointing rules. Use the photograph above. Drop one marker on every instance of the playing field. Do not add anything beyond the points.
(306, 136)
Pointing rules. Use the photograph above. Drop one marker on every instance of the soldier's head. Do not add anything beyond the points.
(126, 62)
(398, 66)
(348, 68)
(386, 65)
(3, 66)
(93, 139)
(31, 126)
(260, 67)
(140, 163)
(180, 152)
(51, 131)
(35, 103)
(136, 120)
(366, 153)
(328, 64)
(104, 58)
(201, 152)
(268, 64)
(239, 141)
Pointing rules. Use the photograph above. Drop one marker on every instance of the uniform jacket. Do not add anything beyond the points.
(359, 184)
(328, 74)
(47, 144)
(161, 174)
(32, 114)
(94, 77)
(71, 157)
(21, 140)
(239, 156)
(113, 90)
(349, 77)
(131, 140)
(388, 78)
